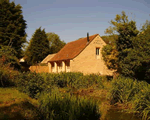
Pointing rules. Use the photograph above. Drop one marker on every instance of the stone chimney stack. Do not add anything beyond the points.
(88, 37)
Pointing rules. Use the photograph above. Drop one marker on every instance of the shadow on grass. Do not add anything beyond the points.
(20, 111)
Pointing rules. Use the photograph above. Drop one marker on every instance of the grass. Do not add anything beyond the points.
(132, 94)
(64, 106)
(15, 105)
(128, 94)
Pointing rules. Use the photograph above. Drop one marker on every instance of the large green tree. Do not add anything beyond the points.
(38, 47)
(55, 43)
(138, 59)
(133, 47)
(12, 26)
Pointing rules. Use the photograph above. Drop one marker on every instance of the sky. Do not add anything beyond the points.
(72, 19)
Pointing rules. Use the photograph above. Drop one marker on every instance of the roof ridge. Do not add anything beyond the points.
(81, 38)
(73, 48)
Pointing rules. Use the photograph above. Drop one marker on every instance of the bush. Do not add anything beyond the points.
(74, 80)
(30, 83)
(7, 76)
(34, 83)
(59, 106)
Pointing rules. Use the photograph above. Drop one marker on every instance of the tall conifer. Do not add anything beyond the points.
(38, 47)
(12, 26)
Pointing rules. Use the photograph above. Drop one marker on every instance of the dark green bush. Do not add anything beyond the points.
(58, 106)
(34, 83)
(74, 80)
(30, 83)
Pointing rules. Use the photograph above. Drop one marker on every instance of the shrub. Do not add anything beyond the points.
(7, 76)
(34, 83)
(30, 83)
(59, 106)
(74, 80)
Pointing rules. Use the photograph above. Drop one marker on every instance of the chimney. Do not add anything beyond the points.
(88, 37)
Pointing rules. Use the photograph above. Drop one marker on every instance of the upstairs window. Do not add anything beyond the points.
(97, 51)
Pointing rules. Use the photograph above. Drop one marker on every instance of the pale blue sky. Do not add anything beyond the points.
(72, 19)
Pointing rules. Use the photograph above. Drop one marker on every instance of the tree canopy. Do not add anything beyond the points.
(12, 26)
(130, 53)
(54, 42)
(38, 47)
(8, 57)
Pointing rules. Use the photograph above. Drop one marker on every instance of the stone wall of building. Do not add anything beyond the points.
(88, 62)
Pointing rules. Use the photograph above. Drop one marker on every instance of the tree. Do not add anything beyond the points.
(8, 57)
(126, 31)
(138, 59)
(132, 46)
(12, 26)
(55, 43)
(109, 51)
(38, 47)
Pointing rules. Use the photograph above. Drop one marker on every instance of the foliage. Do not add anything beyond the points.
(30, 83)
(130, 53)
(138, 59)
(110, 39)
(12, 31)
(33, 84)
(55, 43)
(38, 47)
(123, 90)
(126, 30)
(74, 80)
(58, 106)
(129, 91)
(110, 56)
(7, 73)
(8, 57)
(142, 102)
(7, 76)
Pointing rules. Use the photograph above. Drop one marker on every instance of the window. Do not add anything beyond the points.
(97, 51)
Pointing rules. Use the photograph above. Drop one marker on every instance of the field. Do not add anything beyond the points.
(74, 96)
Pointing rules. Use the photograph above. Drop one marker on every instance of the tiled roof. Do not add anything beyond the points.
(72, 49)
(45, 60)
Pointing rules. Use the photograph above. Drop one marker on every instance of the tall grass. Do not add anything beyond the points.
(123, 89)
(128, 91)
(59, 106)
(142, 102)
